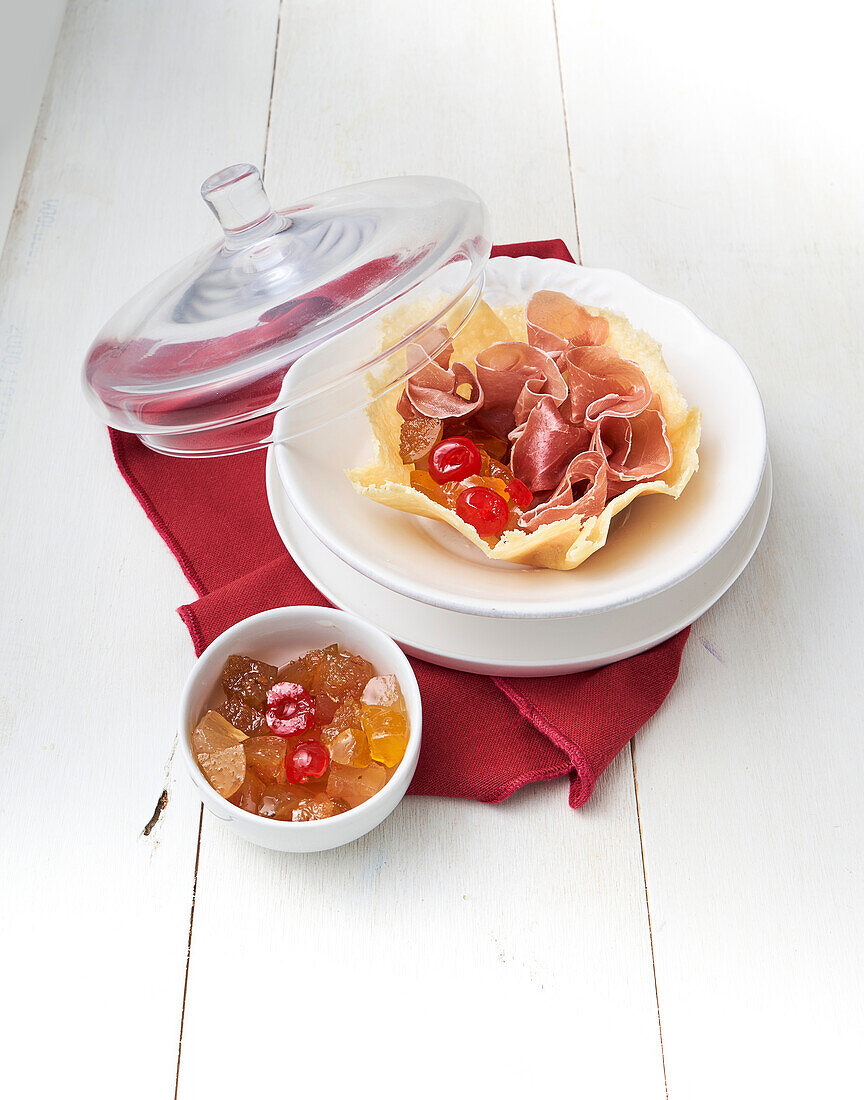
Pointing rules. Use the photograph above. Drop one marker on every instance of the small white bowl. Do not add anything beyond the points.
(277, 637)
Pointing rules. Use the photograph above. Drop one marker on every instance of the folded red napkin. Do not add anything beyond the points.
(483, 737)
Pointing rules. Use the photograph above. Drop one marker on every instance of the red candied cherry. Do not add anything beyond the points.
(520, 494)
(484, 509)
(290, 709)
(454, 459)
(308, 761)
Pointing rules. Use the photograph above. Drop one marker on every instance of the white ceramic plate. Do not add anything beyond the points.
(517, 647)
(660, 541)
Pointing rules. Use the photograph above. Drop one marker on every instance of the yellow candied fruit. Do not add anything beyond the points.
(387, 731)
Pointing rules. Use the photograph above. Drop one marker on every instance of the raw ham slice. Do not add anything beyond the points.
(435, 344)
(582, 492)
(544, 445)
(602, 383)
(514, 377)
(635, 448)
(438, 388)
(555, 320)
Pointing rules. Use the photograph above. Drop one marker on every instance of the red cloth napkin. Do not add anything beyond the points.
(483, 737)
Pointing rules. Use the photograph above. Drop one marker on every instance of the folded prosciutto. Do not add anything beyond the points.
(555, 322)
(513, 379)
(540, 442)
(438, 388)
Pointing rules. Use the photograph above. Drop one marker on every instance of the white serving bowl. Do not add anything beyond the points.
(657, 543)
(277, 637)
(509, 646)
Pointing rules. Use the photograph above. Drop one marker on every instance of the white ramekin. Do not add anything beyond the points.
(277, 637)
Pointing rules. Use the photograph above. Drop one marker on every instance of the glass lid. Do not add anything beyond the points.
(302, 311)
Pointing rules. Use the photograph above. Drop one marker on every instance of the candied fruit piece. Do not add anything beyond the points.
(514, 490)
(265, 756)
(248, 680)
(417, 437)
(387, 731)
(347, 716)
(224, 770)
(309, 760)
(290, 709)
(355, 785)
(325, 709)
(317, 808)
(280, 801)
(423, 482)
(454, 459)
(249, 795)
(213, 733)
(484, 509)
(382, 691)
(244, 718)
(341, 674)
(491, 445)
(300, 671)
(350, 747)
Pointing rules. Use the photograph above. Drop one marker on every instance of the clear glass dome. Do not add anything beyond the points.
(294, 310)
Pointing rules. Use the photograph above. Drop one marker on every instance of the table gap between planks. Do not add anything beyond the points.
(474, 947)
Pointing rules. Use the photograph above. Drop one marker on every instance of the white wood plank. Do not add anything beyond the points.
(473, 949)
(718, 158)
(145, 100)
(28, 35)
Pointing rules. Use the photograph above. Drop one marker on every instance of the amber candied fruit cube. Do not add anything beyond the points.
(249, 794)
(280, 800)
(355, 785)
(417, 437)
(347, 716)
(224, 770)
(218, 748)
(350, 747)
(244, 718)
(341, 674)
(298, 672)
(318, 807)
(265, 756)
(387, 731)
(248, 680)
(424, 483)
(213, 733)
(325, 709)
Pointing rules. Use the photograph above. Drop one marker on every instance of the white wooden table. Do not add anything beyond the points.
(696, 931)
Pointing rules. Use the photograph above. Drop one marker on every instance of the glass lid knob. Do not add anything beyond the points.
(237, 198)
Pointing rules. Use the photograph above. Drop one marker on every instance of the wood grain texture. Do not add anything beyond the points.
(145, 99)
(711, 169)
(478, 950)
